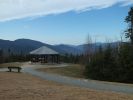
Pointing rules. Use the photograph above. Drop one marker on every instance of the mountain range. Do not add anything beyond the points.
(24, 46)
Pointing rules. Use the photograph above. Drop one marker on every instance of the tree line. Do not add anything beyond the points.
(114, 63)
(7, 56)
(109, 63)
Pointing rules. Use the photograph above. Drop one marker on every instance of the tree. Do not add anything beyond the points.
(129, 20)
(1, 56)
(88, 50)
(125, 63)
(114, 63)
(9, 51)
(88, 46)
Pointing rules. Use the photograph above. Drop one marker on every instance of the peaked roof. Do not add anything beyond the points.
(43, 51)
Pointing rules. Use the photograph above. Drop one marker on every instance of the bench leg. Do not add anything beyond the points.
(10, 70)
(18, 70)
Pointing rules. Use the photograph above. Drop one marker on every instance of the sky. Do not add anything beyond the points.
(63, 21)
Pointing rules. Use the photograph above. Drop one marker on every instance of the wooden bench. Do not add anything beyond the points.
(11, 67)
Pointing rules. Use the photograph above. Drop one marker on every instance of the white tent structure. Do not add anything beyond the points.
(44, 55)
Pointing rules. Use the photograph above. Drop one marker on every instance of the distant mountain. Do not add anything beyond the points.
(69, 49)
(24, 46)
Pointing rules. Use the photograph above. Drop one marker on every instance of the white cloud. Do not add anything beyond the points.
(17, 9)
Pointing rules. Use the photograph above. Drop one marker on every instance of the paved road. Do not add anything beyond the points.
(97, 85)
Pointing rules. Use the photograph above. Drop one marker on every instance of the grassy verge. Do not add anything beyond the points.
(73, 70)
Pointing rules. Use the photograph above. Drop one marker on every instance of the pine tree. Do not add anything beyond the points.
(129, 20)
(1, 56)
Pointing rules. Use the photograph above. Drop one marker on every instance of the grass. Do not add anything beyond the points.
(16, 86)
(73, 70)
(15, 64)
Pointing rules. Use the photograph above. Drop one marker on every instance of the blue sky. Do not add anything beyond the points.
(103, 22)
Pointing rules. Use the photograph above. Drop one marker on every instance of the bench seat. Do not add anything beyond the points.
(12, 67)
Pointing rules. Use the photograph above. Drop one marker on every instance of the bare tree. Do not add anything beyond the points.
(88, 48)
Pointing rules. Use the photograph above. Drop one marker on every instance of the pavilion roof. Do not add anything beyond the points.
(43, 51)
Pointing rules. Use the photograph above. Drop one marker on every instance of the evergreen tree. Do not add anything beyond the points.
(129, 20)
(125, 64)
(114, 64)
(1, 56)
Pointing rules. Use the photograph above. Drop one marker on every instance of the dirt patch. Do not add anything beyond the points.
(15, 86)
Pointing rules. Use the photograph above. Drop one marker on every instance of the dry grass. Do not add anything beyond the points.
(14, 86)
(73, 70)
